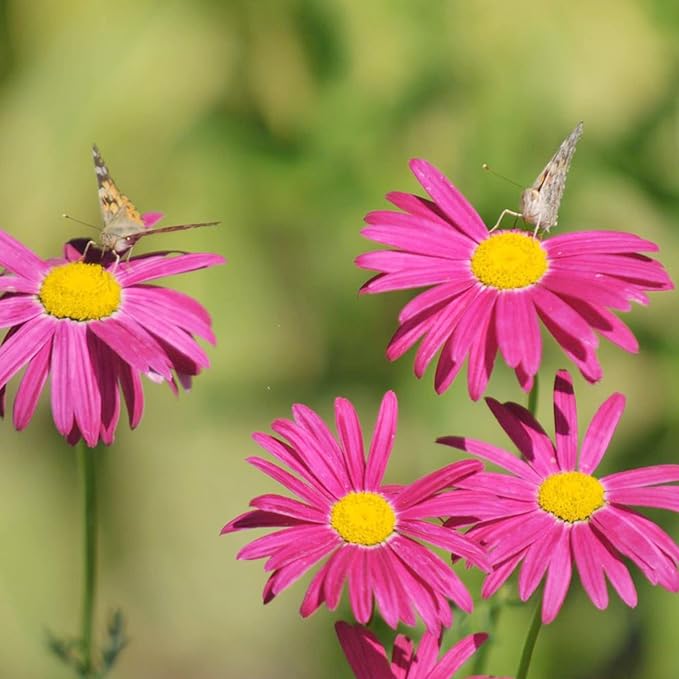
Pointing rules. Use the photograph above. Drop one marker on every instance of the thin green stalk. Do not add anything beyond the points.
(529, 644)
(533, 397)
(86, 463)
(481, 656)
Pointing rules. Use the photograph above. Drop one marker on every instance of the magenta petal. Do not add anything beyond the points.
(646, 476)
(432, 483)
(130, 384)
(176, 307)
(558, 579)
(141, 269)
(527, 434)
(20, 348)
(456, 207)
(364, 652)
(31, 387)
(382, 440)
(600, 431)
(17, 258)
(565, 421)
(457, 656)
(351, 436)
(360, 592)
(133, 344)
(84, 391)
(585, 550)
(537, 557)
(289, 481)
(18, 310)
(606, 242)
(493, 454)
(151, 218)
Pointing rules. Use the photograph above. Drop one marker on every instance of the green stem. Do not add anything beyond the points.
(86, 463)
(481, 656)
(533, 397)
(529, 644)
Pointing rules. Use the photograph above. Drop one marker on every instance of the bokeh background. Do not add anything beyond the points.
(288, 120)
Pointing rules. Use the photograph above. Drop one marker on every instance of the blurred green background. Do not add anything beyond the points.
(288, 120)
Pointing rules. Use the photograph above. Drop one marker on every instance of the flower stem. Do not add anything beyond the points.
(529, 644)
(533, 397)
(86, 463)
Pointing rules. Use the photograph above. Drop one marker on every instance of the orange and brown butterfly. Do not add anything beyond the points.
(123, 224)
(540, 202)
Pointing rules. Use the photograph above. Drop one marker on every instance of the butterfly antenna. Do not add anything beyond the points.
(79, 221)
(487, 167)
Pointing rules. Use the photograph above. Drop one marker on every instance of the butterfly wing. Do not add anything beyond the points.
(551, 182)
(168, 229)
(116, 207)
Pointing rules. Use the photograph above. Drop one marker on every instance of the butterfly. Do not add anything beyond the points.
(540, 201)
(123, 224)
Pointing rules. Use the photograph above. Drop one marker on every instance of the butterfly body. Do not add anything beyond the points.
(123, 224)
(540, 202)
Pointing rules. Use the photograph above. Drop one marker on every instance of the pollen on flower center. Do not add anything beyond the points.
(509, 260)
(363, 518)
(571, 496)
(79, 291)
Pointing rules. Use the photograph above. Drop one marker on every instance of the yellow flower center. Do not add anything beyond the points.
(509, 260)
(79, 291)
(363, 518)
(571, 496)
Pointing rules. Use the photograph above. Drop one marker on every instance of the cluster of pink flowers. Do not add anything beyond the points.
(95, 326)
(543, 515)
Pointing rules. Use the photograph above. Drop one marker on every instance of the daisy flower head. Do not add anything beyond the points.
(551, 513)
(369, 532)
(368, 659)
(489, 290)
(94, 327)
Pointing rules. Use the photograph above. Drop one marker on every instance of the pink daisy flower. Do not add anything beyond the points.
(94, 327)
(369, 532)
(368, 659)
(552, 513)
(488, 291)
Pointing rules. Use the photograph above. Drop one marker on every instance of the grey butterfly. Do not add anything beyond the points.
(540, 202)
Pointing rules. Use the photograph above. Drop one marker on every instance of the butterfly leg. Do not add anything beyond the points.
(90, 243)
(537, 229)
(502, 214)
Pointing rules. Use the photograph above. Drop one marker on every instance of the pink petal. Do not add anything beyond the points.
(527, 435)
(600, 431)
(565, 421)
(585, 551)
(607, 324)
(456, 207)
(31, 387)
(436, 298)
(590, 242)
(151, 218)
(537, 557)
(23, 345)
(360, 592)
(351, 436)
(139, 270)
(382, 440)
(17, 258)
(493, 454)
(176, 307)
(457, 656)
(289, 481)
(645, 476)
(558, 579)
(364, 652)
(432, 483)
(18, 310)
